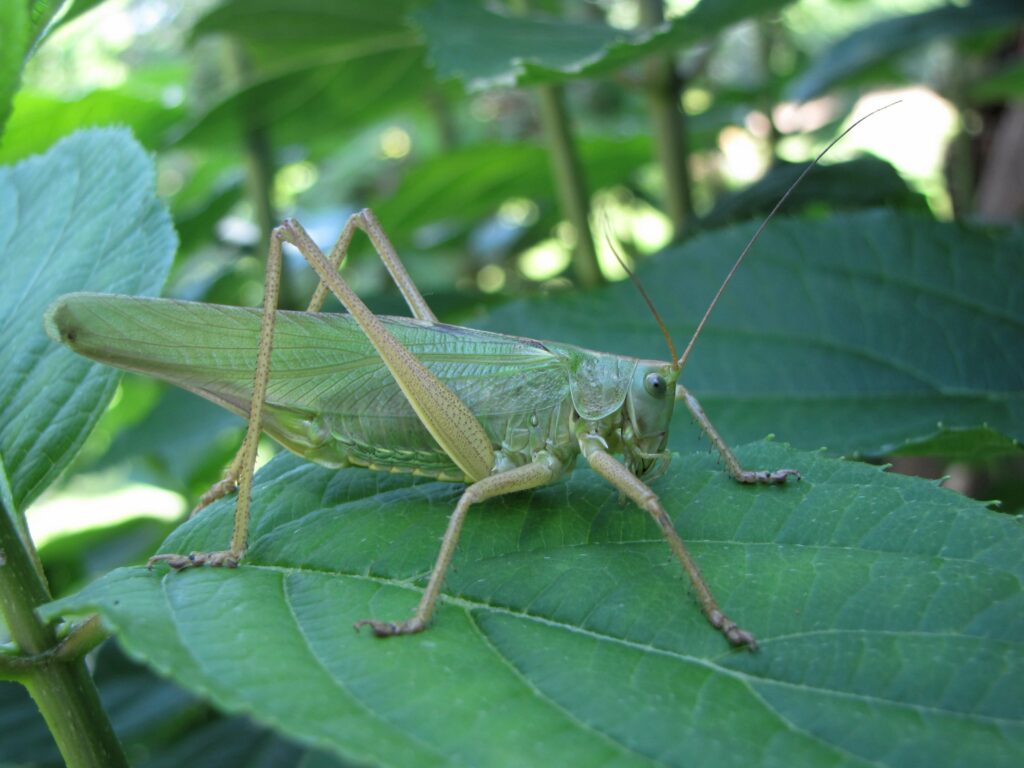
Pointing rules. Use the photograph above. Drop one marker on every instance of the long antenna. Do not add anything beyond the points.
(700, 326)
(640, 287)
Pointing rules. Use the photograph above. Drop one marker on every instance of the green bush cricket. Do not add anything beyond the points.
(500, 413)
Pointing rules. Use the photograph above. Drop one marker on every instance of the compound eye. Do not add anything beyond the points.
(655, 385)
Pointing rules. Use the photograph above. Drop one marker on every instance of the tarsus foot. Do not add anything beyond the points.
(737, 637)
(390, 629)
(767, 476)
(222, 559)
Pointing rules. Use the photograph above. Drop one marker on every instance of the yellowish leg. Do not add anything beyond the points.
(446, 417)
(366, 221)
(732, 464)
(518, 479)
(626, 482)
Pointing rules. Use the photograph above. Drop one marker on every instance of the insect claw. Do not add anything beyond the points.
(390, 629)
(741, 638)
(222, 559)
(775, 477)
(737, 637)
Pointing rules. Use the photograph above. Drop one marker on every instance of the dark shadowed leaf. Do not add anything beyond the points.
(317, 72)
(486, 49)
(885, 40)
(159, 723)
(863, 183)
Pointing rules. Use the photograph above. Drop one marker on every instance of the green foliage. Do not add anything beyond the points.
(876, 44)
(889, 612)
(486, 49)
(309, 68)
(82, 216)
(862, 333)
(15, 38)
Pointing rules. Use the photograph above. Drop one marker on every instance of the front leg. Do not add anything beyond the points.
(732, 464)
(627, 483)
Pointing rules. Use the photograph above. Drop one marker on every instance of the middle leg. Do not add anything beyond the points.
(518, 479)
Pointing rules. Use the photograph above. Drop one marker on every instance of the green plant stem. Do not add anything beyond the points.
(444, 120)
(770, 41)
(82, 639)
(664, 104)
(63, 691)
(259, 161)
(570, 184)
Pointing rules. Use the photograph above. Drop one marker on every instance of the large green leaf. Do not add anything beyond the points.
(315, 72)
(863, 333)
(83, 216)
(892, 38)
(39, 119)
(486, 49)
(890, 615)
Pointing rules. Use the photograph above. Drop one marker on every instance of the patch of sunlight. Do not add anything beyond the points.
(91, 501)
(544, 260)
(295, 178)
(395, 143)
(629, 218)
(912, 135)
(490, 278)
(696, 100)
(744, 158)
(518, 212)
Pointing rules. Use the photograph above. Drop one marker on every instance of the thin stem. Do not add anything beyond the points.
(569, 182)
(63, 691)
(664, 104)
(259, 156)
(444, 118)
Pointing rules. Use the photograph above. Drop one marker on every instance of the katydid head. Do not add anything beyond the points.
(653, 391)
(649, 404)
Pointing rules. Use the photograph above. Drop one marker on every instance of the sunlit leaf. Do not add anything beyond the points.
(82, 216)
(15, 37)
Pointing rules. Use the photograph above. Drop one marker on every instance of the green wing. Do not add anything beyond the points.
(327, 383)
